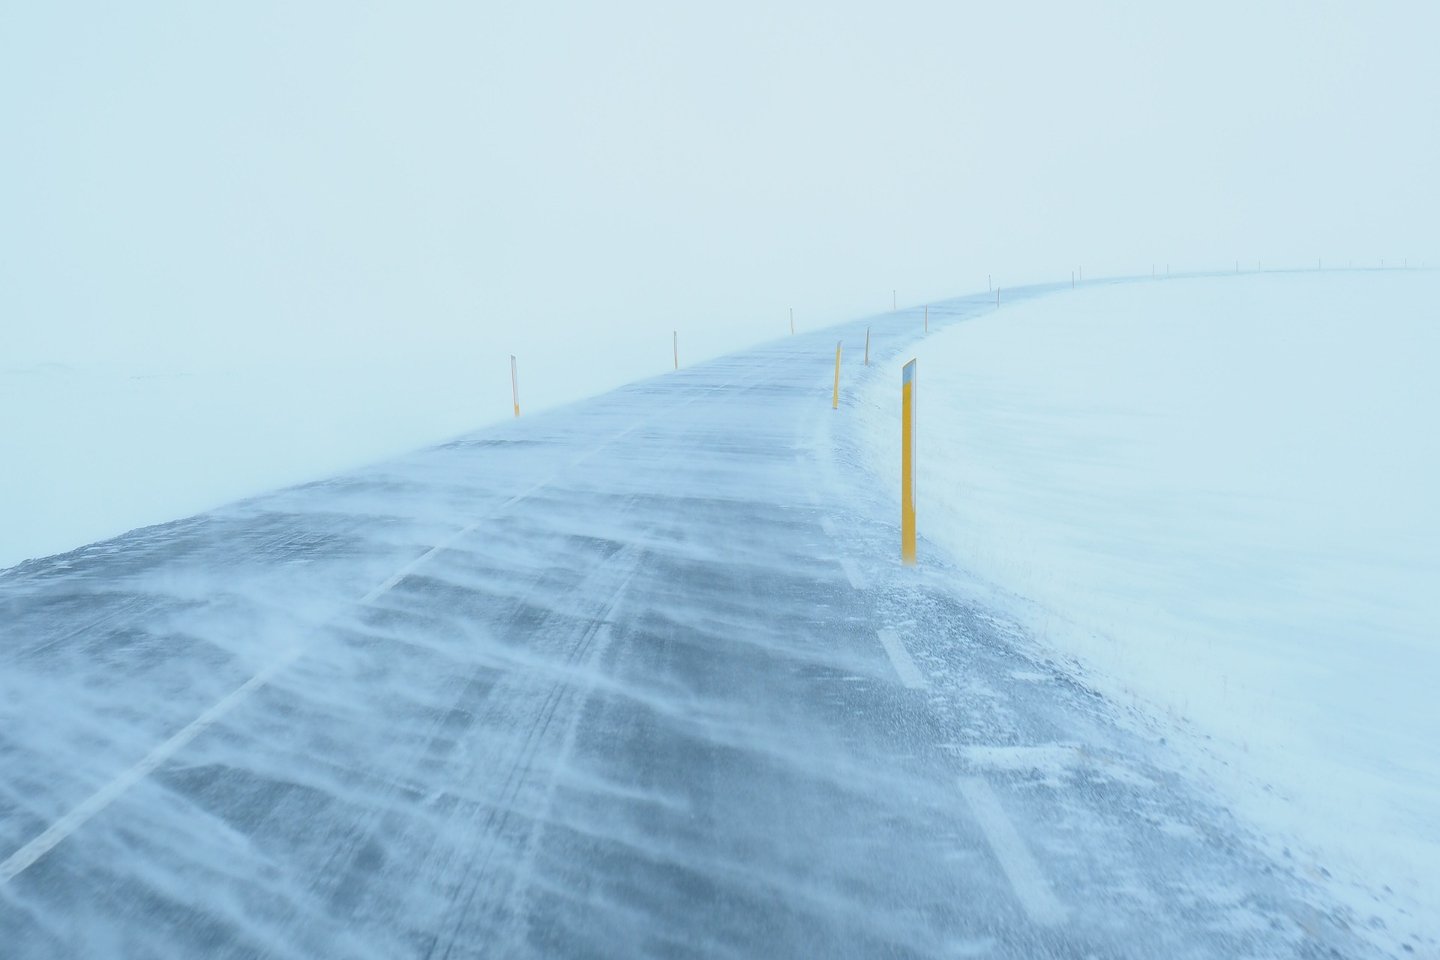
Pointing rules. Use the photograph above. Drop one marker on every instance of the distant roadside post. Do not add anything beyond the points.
(514, 385)
(867, 346)
(835, 398)
(907, 465)
(675, 343)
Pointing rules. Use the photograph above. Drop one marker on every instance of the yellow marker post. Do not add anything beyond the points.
(867, 346)
(514, 385)
(907, 465)
(835, 400)
(675, 342)
(927, 318)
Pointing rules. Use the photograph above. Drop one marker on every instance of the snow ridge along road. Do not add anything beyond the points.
(643, 676)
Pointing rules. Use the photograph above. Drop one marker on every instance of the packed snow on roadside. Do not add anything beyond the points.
(1217, 496)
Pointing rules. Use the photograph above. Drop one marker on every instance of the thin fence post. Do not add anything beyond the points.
(514, 385)
(835, 398)
(675, 343)
(867, 346)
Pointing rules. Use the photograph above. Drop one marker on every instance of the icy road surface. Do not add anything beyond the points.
(639, 677)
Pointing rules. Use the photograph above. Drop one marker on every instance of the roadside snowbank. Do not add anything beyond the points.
(1219, 496)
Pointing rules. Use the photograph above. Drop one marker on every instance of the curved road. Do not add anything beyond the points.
(637, 677)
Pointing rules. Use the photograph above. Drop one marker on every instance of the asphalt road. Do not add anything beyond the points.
(637, 677)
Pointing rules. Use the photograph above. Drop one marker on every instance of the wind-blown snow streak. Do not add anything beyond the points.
(615, 693)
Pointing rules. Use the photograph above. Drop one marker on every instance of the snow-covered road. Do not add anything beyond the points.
(637, 677)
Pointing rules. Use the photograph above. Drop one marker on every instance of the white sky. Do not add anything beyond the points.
(569, 182)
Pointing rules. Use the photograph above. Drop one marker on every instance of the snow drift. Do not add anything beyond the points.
(1218, 496)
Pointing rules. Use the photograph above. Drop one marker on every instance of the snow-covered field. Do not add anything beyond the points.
(1218, 496)
(89, 450)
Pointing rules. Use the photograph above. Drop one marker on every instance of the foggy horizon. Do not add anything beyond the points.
(566, 182)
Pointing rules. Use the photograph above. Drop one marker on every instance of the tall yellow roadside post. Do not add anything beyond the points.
(835, 399)
(514, 385)
(907, 465)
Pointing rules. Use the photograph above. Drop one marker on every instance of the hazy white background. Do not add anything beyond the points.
(383, 201)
